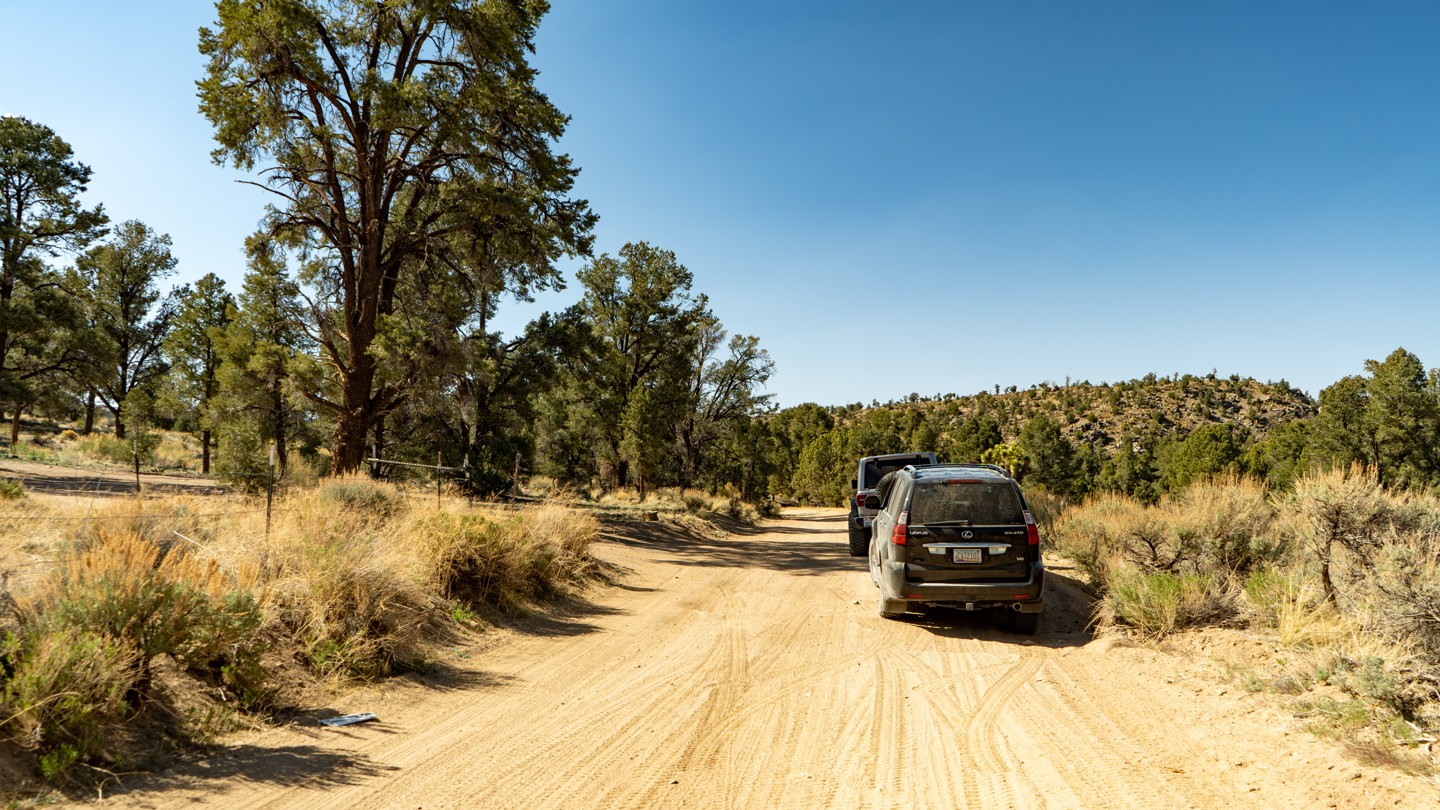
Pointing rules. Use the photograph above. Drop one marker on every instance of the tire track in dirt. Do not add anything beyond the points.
(726, 682)
(618, 703)
(995, 777)
(973, 764)
(889, 746)
(1100, 763)
(648, 720)
(1158, 750)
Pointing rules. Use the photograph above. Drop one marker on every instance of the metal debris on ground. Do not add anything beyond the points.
(348, 719)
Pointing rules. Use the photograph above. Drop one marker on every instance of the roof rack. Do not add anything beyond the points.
(995, 467)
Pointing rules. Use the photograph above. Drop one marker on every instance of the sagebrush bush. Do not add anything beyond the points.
(353, 578)
(65, 695)
(1228, 525)
(158, 602)
(1149, 560)
(11, 489)
(361, 494)
(1338, 517)
(1045, 507)
(1156, 604)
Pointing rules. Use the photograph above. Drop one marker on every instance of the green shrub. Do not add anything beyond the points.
(1158, 604)
(112, 450)
(157, 602)
(65, 697)
(11, 489)
(30, 452)
(361, 495)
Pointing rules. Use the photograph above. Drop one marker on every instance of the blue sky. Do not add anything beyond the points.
(1017, 191)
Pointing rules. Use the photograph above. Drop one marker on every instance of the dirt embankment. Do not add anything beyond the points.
(752, 671)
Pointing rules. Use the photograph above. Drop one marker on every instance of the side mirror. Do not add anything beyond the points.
(853, 483)
(872, 501)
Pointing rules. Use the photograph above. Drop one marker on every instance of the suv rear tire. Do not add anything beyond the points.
(859, 541)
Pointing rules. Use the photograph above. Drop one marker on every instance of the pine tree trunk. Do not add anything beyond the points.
(205, 452)
(15, 428)
(277, 402)
(357, 418)
(379, 447)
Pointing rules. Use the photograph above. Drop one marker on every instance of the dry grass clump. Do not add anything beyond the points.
(109, 450)
(504, 560)
(686, 501)
(345, 587)
(166, 521)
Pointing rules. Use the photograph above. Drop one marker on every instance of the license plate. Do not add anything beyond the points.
(967, 555)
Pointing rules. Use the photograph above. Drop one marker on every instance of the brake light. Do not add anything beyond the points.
(859, 500)
(1032, 532)
(897, 534)
(949, 481)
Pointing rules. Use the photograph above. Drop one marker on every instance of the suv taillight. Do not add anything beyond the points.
(859, 500)
(897, 534)
(1032, 532)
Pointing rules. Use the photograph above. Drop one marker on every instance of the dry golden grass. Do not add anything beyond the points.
(357, 578)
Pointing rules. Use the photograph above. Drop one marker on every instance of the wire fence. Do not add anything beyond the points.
(110, 484)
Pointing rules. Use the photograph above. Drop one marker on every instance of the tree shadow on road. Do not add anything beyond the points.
(566, 616)
(804, 551)
(304, 766)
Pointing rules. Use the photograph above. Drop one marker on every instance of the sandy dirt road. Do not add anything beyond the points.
(752, 671)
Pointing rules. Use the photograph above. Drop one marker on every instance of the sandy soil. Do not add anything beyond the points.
(752, 671)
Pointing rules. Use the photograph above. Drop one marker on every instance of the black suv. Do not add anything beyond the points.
(959, 535)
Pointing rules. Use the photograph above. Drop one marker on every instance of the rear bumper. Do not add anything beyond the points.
(1029, 594)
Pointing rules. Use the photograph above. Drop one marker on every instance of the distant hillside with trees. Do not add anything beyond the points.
(1143, 437)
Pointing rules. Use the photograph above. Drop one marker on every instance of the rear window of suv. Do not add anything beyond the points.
(875, 470)
(984, 504)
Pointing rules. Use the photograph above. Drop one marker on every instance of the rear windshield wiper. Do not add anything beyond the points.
(947, 523)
